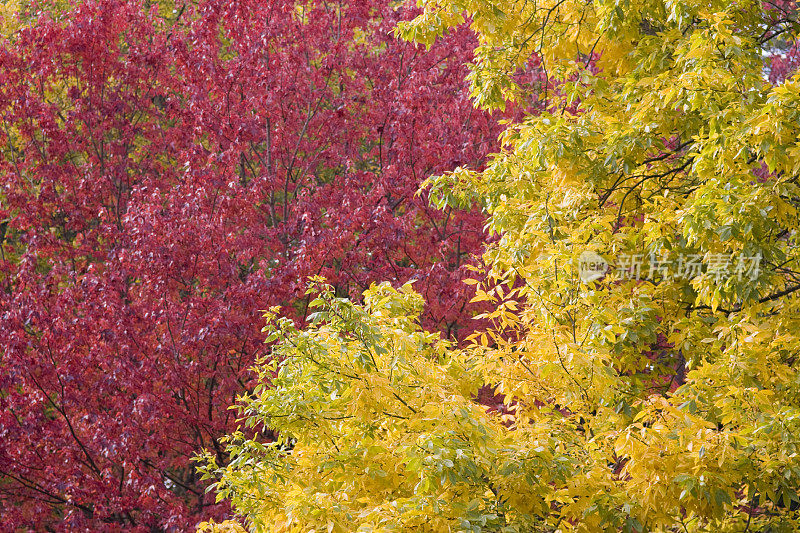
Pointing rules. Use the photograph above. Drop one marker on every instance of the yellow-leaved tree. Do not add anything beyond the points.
(645, 329)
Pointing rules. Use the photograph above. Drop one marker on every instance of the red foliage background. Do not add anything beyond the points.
(164, 178)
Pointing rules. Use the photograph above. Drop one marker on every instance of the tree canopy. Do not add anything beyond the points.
(642, 289)
(169, 168)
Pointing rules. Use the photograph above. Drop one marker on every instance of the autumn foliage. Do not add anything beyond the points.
(642, 301)
(167, 171)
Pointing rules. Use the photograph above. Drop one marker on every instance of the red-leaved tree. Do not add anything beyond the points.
(165, 174)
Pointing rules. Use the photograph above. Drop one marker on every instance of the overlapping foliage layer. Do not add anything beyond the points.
(657, 399)
(167, 170)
